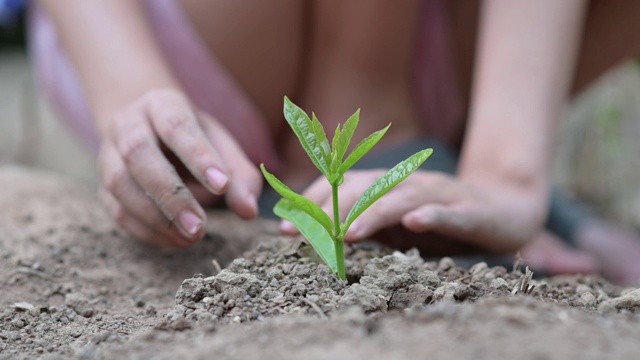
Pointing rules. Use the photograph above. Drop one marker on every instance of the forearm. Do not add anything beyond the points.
(112, 48)
(525, 64)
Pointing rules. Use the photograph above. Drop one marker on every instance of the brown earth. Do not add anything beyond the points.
(74, 286)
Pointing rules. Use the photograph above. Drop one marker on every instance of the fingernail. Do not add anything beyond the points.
(216, 179)
(190, 223)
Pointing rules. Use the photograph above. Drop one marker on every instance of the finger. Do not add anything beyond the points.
(479, 227)
(244, 190)
(173, 119)
(134, 227)
(132, 198)
(385, 212)
(493, 229)
(147, 165)
(439, 218)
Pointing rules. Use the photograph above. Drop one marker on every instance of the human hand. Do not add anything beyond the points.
(490, 216)
(146, 192)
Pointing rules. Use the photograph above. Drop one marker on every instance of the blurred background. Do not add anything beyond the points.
(30, 134)
(599, 143)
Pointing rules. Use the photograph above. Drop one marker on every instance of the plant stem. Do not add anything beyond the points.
(339, 246)
(338, 241)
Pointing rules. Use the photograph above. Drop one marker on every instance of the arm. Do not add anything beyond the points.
(525, 64)
(112, 47)
(142, 114)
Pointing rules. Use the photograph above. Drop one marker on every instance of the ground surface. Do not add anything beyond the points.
(73, 286)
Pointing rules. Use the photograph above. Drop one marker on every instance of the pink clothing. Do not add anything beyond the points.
(435, 76)
(213, 90)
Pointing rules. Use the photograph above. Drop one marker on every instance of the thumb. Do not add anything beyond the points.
(438, 218)
(493, 231)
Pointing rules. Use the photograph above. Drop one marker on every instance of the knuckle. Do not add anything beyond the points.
(174, 127)
(131, 146)
(174, 123)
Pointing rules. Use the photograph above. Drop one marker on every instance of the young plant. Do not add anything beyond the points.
(327, 236)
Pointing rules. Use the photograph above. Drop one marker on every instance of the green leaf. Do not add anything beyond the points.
(300, 201)
(304, 130)
(342, 138)
(362, 149)
(321, 138)
(385, 183)
(336, 135)
(335, 165)
(311, 229)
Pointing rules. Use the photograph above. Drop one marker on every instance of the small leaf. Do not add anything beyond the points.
(303, 128)
(311, 229)
(362, 149)
(300, 201)
(334, 166)
(343, 137)
(385, 183)
(321, 138)
(336, 136)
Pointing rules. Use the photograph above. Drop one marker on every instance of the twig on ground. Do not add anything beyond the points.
(523, 287)
(315, 307)
(216, 266)
(29, 271)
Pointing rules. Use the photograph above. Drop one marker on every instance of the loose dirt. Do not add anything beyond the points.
(74, 286)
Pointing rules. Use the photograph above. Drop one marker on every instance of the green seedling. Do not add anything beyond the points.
(327, 236)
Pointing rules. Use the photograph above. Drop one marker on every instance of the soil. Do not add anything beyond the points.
(74, 286)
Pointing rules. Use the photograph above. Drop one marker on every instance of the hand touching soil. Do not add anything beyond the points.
(437, 203)
(144, 190)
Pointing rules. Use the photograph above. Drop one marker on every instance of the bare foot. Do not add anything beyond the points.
(547, 252)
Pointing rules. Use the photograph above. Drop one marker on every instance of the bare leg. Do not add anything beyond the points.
(259, 42)
(360, 56)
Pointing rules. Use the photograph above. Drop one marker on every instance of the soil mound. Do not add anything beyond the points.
(74, 286)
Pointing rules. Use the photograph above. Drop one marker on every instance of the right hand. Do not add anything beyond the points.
(145, 191)
(493, 215)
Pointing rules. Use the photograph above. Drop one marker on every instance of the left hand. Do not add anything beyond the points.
(491, 215)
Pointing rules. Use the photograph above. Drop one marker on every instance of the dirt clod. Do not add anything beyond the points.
(76, 287)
